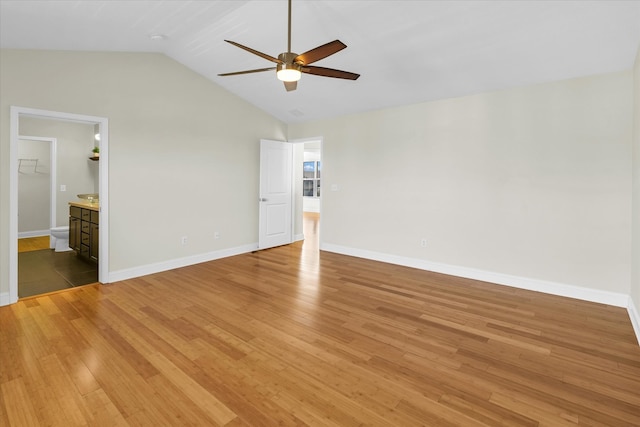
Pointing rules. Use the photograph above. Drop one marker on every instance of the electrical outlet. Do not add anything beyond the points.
(216, 235)
(423, 242)
(183, 240)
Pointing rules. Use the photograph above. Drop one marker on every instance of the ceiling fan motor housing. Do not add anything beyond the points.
(287, 69)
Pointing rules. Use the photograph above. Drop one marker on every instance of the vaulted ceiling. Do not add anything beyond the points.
(406, 51)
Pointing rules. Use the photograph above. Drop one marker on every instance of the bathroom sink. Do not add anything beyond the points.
(94, 197)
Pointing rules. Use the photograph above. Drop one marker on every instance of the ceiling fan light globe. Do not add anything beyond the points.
(289, 75)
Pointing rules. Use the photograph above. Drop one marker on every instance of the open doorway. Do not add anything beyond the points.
(36, 186)
(19, 114)
(311, 193)
(45, 263)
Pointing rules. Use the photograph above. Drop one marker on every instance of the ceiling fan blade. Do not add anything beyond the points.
(330, 72)
(255, 52)
(290, 86)
(320, 52)
(235, 73)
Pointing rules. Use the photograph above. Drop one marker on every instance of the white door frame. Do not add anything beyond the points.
(53, 150)
(103, 188)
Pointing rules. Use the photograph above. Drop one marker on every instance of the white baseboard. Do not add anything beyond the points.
(4, 299)
(35, 233)
(560, 289)
(634, 315)
(130, 273)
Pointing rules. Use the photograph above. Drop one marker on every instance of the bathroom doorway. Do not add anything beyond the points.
(21, 116)
(41, 269)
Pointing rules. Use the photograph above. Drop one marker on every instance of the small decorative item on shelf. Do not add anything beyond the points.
(96, 151)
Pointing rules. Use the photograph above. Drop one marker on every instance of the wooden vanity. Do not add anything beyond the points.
(84, 224)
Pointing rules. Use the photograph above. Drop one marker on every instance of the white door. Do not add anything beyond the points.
(275, 197)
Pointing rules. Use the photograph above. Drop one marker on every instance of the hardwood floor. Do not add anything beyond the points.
(288, 336)
(29, 244)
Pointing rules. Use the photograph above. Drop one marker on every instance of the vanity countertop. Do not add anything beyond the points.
(86, 205)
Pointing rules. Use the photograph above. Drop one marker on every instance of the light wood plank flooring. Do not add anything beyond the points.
(29, 244)
(288, 336)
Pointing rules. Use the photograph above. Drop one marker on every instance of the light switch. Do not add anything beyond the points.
(63, 187)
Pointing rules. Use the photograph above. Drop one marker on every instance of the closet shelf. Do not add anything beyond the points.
(33, 162)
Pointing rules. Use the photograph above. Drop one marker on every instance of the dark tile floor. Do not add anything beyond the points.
(47, 271)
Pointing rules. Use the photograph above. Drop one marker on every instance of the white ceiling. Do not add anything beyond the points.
(405, 51)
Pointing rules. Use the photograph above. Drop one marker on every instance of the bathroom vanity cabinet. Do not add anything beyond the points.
(84, 225)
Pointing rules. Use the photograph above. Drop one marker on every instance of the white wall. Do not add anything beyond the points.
(532, 182)
(183, 152)
(635, 272)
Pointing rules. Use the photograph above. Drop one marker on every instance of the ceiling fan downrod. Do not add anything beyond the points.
(289, 31)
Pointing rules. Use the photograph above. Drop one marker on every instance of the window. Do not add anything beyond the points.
(311, 179)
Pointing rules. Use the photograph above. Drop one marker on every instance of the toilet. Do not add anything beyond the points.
(60, 238)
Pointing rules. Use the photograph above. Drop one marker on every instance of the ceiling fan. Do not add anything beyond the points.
(289, 65)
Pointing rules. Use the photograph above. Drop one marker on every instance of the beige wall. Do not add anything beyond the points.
(635, 272)
(533, 182)
(184, 153)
